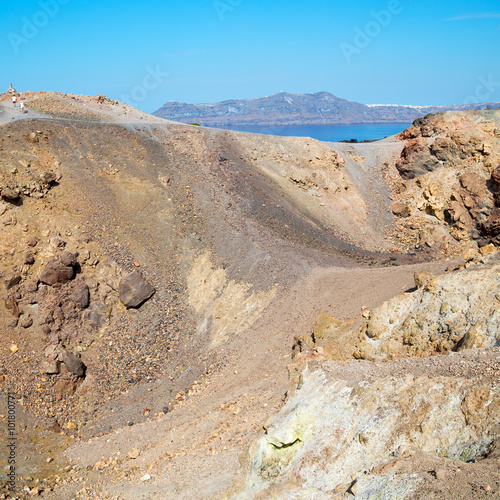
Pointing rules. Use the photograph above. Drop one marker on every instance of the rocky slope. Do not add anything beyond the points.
(446, 186)
(321, 108)
(155, 276)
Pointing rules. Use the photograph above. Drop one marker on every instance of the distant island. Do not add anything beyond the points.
(321, 108)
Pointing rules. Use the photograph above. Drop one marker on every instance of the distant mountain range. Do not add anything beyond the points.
(321, 108)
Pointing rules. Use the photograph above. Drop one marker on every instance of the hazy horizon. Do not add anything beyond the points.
(339, 96)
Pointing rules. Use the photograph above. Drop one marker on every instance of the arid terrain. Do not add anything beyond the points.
(192, 313)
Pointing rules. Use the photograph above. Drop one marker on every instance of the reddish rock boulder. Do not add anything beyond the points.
(56, 272)
(416, 159)
(60, 269)
(81, 295)
(134, 290)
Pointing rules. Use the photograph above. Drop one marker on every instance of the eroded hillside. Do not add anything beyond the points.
(155, 276)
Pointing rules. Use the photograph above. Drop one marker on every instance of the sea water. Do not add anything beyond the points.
(328, 133)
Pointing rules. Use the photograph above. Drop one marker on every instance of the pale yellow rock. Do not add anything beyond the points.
(224, 306)
(422, 277)
(475, 338)
(471, 254)
(488, 250)
(324, 420)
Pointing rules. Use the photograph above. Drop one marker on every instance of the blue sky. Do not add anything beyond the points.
(146, 53)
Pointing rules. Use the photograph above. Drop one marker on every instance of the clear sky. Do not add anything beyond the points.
(148, 52)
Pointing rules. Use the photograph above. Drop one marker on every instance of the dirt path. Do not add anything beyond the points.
(364, 162)
(9, 113)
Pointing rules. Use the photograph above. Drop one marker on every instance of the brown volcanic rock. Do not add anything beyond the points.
(10, 194)
(134, 290)
(490, 228)
(60, 269)
(400, 209)
(450, 170)
(56, 272)
(495, 186)
(48, 178)
(444, 149)
(416, 159)
(68, 259)
(73, 363)
(81, 295)
(12, 279)
(12, 306)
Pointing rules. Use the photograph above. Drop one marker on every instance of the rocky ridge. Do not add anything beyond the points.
(444, 184)
(346, 429)
(447, 313)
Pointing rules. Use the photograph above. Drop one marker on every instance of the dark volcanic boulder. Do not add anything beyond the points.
(416, 159)
(73, 363)
(490, 228)
(495, 186)
(10, 194)
(81, 295)
(134, 290)
(59, 269)
(96, 316)
(56, 272)
(445, 149)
